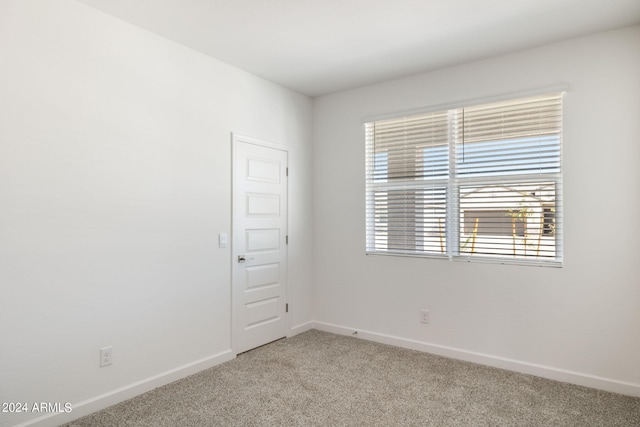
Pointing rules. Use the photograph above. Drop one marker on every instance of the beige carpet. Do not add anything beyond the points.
(321, 379)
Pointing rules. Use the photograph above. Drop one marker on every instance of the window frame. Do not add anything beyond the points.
(455, 183)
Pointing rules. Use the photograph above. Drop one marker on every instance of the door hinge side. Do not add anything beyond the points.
(286, 239)
(287, 172)
(287, 307)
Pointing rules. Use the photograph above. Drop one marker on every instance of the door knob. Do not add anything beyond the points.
(241, 258)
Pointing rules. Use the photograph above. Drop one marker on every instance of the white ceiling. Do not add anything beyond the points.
(317, 47)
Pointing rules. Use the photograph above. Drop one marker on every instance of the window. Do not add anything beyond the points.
(480, 182)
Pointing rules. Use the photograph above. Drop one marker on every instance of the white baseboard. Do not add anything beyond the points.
(295, 330)
(548, 372)
(113, 397)
(110, 398)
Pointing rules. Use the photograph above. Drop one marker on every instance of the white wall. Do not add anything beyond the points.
(114, 184)
(580, 323)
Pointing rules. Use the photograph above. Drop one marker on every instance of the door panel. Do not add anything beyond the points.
(263, 205)
(263, 275)
(262, 240)
(259, 243)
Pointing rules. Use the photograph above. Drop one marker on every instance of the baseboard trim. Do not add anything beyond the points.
(304, 327)
(113, 397)
(110, 398)
(548, 372)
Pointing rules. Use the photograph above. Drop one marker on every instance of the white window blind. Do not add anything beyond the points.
(480, 182)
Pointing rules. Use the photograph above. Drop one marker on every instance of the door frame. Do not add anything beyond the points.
(235, 139)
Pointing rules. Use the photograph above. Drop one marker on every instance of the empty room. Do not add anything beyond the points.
(319, 212)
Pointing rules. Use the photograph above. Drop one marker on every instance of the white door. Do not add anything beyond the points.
(259, 250)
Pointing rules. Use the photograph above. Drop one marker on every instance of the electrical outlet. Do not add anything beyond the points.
(424, 316)
(106, 356)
